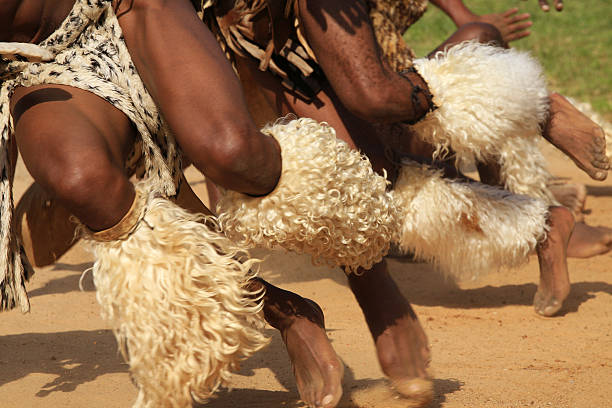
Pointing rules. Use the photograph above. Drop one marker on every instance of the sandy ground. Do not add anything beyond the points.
(489, 348)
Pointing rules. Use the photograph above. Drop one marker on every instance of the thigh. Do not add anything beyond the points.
(74, 144)
(55, 123)
(184, 69)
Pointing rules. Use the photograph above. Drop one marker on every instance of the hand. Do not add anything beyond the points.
(511, 25)
(545, 6)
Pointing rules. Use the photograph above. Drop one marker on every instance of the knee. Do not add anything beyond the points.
(226, 149)
(483, 33)
(81, 181)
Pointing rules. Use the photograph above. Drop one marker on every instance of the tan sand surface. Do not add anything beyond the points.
(489, 349)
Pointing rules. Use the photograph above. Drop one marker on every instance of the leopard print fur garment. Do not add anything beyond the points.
(87, 52)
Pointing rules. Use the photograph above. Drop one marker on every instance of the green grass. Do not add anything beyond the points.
(574, 46)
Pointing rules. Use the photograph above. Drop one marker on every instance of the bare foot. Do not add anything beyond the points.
(552, 255)
(587, 241)
(318, 370)
(570, 195)
(44, 225)
(401, 343)
(577, 136)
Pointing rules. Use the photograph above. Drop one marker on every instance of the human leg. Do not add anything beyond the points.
(400, 340)
(154, 265)
(568, 129)
(481, 32)
(77, 156)
(198, 94)
(570, 195)
(587, 241)
(317, 368)
(554, 284)
(552, 253)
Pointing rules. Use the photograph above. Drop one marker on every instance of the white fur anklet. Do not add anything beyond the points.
(484, 95)
(465, 228)
(174, 293)
(328, 203)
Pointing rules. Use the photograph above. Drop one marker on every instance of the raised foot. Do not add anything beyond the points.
(44, 225)
(578, 137)
(554, 284)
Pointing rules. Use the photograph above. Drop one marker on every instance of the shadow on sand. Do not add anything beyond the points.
(74, 358)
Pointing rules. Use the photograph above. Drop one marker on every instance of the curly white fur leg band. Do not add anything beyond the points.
(173, 291)
(466, 228)
(484, 95)
(328, 203)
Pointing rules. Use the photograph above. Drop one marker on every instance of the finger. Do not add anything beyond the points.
(559, 5)
(519, 27)
(520, 17)
(510, 12)
(517, 35)
(544, 5)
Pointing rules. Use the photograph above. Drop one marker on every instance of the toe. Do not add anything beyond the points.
(600, 175)
(547, 308)
(418, 391)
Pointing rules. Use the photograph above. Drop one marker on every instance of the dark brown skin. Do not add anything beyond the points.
(317, 368)
(365, 84)
(363, 89)
(584, 142)
(232, 152)
(511, 24)
(75, 144)
(400, 340)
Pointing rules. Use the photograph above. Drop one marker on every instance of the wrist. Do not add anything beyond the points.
(464, 16)
(421, 97)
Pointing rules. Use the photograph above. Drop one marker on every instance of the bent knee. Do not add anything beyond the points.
(483, 33)
(224, 149)
(81, 181)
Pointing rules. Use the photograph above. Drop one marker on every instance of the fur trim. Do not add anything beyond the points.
(328, 203)
(174, 293)
(491, 102)
(31, 52)
(484, 95)
(465, 228)
(523, 169)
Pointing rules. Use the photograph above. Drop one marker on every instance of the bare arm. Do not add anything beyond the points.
(199, 95)
(456, 10)
(341, 35)
(510, 24)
